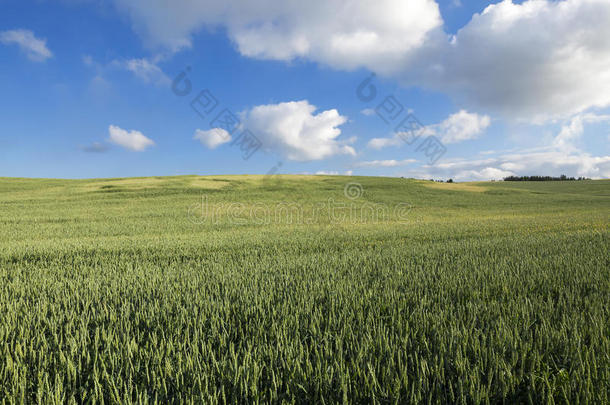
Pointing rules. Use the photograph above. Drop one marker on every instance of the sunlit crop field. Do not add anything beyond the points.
(243, 289)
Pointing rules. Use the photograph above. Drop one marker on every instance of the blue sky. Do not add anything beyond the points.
(489, 90)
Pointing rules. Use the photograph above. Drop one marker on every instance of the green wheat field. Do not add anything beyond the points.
(304, 289)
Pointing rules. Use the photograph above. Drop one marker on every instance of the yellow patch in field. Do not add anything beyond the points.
(117, 184)
(137, 181)
(295, 177)
(475, 187)
(141, 183)
(258, 179)
(209, 183)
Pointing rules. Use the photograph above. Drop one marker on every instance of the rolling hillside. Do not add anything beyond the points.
(300, 289)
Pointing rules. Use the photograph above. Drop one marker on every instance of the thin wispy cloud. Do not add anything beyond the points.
(146, 71)
(386, 163)
(35, 48)
(459, 127)
(143, 69)
(96, 147)
(562, 156)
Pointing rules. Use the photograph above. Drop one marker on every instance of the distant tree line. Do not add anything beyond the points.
(563, 177)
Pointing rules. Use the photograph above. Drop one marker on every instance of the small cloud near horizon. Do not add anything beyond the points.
(132, 140)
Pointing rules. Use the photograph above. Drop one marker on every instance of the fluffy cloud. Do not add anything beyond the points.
(380, 35)
(462, 126)
(296, 132)
(35, 48)
(291, 129)
(212, 138)
(133, 140)
(533, 61)
(458, 127)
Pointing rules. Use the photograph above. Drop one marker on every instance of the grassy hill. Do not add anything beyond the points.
(303, 289)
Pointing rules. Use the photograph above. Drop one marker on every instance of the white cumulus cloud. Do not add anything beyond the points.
(132, 140)
(296, 131)
(212, 138)
(35, 48)
(379, 35)
(533, 61)
(461, 126)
